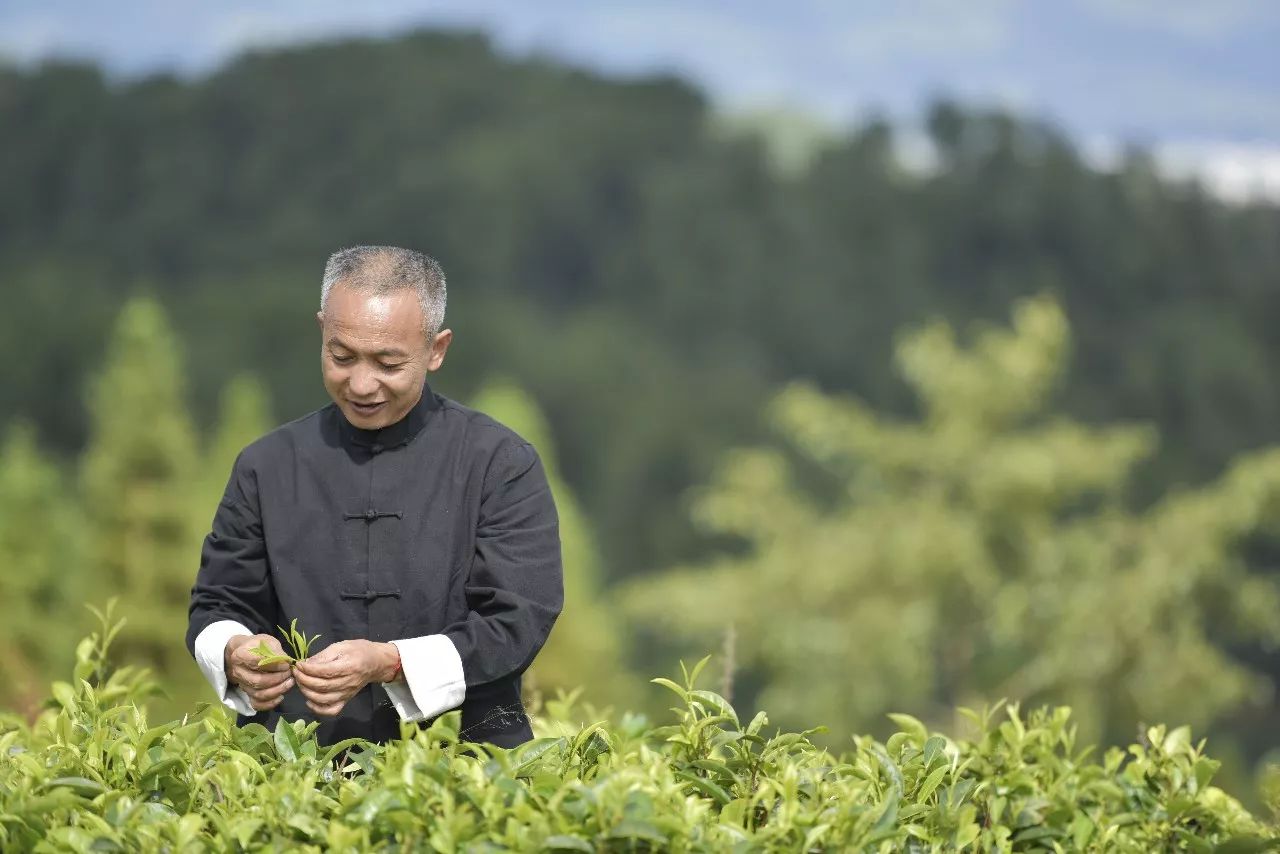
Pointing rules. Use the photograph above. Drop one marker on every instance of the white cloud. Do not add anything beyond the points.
(1194, 19)
(1234, 172)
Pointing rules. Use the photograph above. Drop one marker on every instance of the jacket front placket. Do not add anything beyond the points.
(375, 585)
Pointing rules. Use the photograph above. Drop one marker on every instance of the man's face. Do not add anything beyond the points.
(374, 355)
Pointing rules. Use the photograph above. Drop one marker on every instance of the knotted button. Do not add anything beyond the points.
(370, 515)
(375, 448)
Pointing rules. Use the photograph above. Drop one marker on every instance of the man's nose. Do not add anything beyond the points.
(362, 382)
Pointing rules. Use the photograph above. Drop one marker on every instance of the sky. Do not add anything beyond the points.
(1197, 81)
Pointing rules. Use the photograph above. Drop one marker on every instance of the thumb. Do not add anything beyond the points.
(329, 653)
(318, 664)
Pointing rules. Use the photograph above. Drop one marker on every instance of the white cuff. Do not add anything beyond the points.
(211, 649)
(434, 682)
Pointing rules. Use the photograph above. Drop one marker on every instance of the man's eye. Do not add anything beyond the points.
(341, 360)
(391, 369)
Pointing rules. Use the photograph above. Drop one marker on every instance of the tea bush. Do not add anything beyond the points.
(92, 774)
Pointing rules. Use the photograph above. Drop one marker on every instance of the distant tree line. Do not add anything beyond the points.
(649, 280)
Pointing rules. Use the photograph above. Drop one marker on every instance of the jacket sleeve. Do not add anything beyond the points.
(233, 582)
(514, 592)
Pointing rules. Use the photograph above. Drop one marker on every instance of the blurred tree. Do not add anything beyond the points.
(140, 475)
(41, 570)
(985, 550)
(584, 650)
(244, 415)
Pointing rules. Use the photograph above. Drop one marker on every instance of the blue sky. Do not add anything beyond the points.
(1197, 80)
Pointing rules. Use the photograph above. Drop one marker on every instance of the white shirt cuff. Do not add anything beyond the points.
(210, 650)
(433, 679)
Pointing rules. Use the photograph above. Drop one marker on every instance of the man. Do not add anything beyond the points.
(417, 537)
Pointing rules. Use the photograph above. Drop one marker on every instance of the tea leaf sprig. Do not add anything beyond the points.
(298, 641)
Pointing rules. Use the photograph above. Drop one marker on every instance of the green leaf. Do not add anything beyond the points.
(966, 834)
(287, 744)
(931, 782)
(706, 787)
(560, 842)
(691, 678)
(932, 748)
(82, 786)
(630, 828)
(1082, 829)
(1204, 770)
(333, 751)
(1177, 740)
(814, 836)
(667, 683)
(1246, 845)
(889, 818)
(912, 726)
(64, 694)
(716, 702)
(735, 812)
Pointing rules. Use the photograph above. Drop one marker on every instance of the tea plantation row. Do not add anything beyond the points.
(92, 774)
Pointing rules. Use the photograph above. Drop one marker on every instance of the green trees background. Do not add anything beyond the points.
(773, 425)
(982, 550)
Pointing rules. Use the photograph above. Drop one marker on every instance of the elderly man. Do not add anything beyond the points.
(417, 537)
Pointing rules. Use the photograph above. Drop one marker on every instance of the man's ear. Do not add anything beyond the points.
(320, 319)
(439, 346)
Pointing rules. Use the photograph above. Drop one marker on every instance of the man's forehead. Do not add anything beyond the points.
(395, 314)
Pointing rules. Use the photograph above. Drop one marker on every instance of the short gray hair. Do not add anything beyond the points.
(385, 269)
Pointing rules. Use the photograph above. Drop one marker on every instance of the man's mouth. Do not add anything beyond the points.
(366, 408)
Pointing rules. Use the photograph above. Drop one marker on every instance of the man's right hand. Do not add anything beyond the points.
(266, 686)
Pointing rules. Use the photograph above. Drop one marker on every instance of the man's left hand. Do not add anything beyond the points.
(333, 676)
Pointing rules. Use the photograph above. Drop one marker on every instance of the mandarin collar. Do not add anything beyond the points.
(393, 435)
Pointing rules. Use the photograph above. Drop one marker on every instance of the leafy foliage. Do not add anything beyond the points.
(985, 550)
(93, 773)
(138, 475)
(43, 549)
(133, 529)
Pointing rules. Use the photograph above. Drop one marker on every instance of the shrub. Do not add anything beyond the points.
(92, 773)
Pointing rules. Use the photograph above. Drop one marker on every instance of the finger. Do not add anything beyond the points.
(327, 694)
(257, 681)
(322, 669)
(332, 652)
(326, 698)
(326, 710)
(274, 691)
(317, 683)
(264, 705)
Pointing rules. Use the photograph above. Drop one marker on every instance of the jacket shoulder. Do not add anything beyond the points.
(481, 432)
(286, 438)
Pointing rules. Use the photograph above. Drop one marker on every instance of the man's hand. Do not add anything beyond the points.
(330, 678)
(266, 686)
